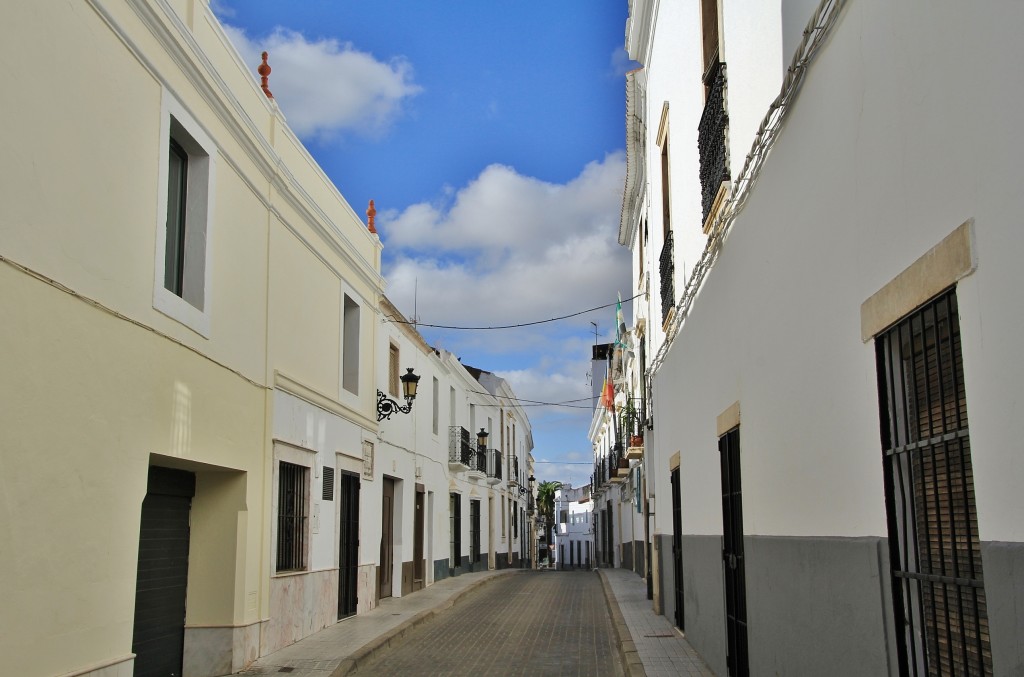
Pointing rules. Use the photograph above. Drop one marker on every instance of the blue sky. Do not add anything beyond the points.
(490, 136)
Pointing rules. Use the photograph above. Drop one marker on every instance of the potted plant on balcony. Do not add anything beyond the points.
(631, 425)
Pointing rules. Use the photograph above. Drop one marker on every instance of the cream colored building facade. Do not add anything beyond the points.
(250, 344)
(194, 466)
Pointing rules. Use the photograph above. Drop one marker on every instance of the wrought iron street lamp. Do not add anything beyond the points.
(481, 439)
(387, 406)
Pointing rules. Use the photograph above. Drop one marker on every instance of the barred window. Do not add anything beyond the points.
(293, 483)
(938, 590)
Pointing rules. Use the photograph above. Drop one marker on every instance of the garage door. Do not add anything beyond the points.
(159, 632)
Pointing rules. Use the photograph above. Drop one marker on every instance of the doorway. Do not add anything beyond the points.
(348, 545)
(418, 565)
(158, 638)
(387, 540)
(732, 555)
(677, 548)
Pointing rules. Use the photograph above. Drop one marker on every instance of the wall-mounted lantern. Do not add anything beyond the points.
(387, 406)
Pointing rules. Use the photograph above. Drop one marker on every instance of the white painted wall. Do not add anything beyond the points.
(887, 150)
(325, 434)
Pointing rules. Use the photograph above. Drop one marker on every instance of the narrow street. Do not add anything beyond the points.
(531, 623)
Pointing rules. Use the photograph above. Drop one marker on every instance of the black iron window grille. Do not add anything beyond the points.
(291, 517)
(714, 162)
(667, 273)
(934, 549)
(460, 450)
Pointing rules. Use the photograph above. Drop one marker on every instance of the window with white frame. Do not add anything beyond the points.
(184, 216)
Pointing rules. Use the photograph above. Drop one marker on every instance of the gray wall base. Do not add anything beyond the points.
(1003, 569)
(819, 606)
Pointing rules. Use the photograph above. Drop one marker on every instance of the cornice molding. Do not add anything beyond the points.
(174, 36)
(636, 160)
(643, 15)
(293, 387)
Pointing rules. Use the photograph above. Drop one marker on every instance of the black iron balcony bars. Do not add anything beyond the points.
(667, 271)
(711, 135)
(460, 449)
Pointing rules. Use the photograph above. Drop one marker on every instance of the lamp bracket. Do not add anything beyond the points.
(387, 406)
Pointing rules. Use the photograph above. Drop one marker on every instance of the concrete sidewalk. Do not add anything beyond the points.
(337, 649)
(648, 643)
(651, 646)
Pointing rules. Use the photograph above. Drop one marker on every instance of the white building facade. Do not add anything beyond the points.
(831, 375)
(573, 537)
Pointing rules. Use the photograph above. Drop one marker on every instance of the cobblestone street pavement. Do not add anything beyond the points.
(530, 623)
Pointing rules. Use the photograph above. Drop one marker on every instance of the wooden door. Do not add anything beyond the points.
(418, 569)
(387, 540)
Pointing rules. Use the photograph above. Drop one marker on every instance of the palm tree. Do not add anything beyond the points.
(546, 507)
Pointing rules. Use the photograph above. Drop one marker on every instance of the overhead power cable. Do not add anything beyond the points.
(511, 326)
(537, 403)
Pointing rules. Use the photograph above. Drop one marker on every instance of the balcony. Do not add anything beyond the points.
(478, 464)
(460, 450)
(632, 428)
(711, 137)
(667, 272)
(494, 466)
(616, 462)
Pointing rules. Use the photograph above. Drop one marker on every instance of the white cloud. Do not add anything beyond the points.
(508, 248)
(621, 63)
(221, 9)
(326, 87)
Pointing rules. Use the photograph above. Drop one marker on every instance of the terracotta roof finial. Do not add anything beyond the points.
(264, 71)
(371, 212)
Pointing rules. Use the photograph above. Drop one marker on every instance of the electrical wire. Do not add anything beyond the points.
(510, 326)
(565, 462)
(815, 34)
(537, 403)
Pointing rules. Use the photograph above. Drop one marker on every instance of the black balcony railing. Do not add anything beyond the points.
(459, 448)
(667, 271)
(714, 165)
(480, 460)
(494, 463)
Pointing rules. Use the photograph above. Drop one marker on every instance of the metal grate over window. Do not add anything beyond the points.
(328, 494)
(291, 517)
(935, 552)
